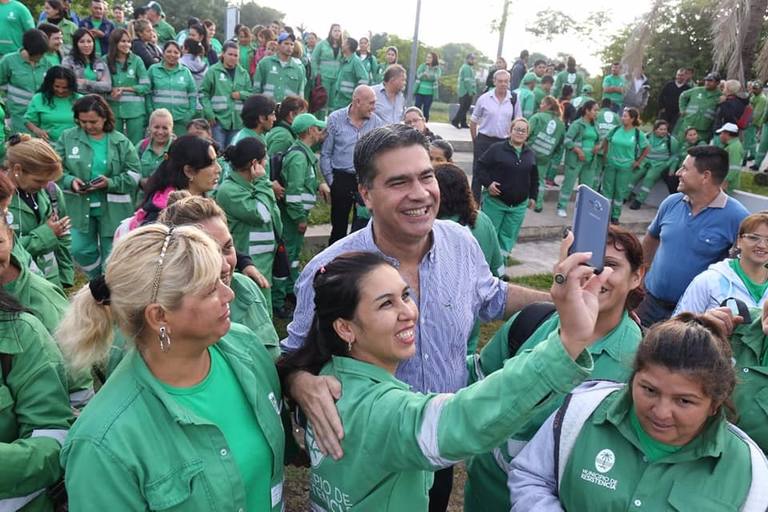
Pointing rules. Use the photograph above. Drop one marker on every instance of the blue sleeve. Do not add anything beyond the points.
(655, 227)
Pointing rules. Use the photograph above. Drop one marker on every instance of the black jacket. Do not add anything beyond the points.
(730, 111)
(517, 176)
(149, 53)
(669, 101)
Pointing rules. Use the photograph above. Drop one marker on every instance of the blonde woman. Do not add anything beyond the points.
(190, 419)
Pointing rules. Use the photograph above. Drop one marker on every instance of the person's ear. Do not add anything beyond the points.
(155, 317)
(187, 169)
(344, 330)
(365, 193)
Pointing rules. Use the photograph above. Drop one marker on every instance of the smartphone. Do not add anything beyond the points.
(95, 181)
(85, 186)
(591, 218)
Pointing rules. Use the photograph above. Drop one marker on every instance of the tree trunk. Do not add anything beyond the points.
(752, 29)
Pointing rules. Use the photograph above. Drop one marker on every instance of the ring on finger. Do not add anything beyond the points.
(560, 278)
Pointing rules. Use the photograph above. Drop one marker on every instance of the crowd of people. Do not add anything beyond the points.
(176, 172)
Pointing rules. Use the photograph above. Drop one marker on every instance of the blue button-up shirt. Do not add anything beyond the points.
(391, 112)
(338, 149)
(455, 287)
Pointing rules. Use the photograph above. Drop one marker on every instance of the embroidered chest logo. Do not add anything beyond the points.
(131, 72)
(75, 153)
(609, 117)
(315, 455)
(551, 127)
(605, 460)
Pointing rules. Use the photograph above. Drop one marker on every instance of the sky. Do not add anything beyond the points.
(446, 21)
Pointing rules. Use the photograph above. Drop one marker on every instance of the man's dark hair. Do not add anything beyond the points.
(35, 42)
(393, 71)
(256, 107)
(539, 61)
(606, 103)
(524, 54)
(351, 44)
(139, 11)
(712, 159)
(547, 79)
(380, 141)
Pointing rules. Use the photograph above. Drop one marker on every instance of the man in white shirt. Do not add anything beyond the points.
(390, 101)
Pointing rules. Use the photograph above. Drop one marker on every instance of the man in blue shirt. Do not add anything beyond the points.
(99, 26)
(692, 229)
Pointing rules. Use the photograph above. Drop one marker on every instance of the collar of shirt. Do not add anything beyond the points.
(349, 365)
(718, 202)
(369, 239)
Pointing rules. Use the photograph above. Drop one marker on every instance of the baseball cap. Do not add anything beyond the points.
(155, 6)
(587, 88)
(285, 35)
(728, 127)
(712, 76)
(530, 77)
(304, 121)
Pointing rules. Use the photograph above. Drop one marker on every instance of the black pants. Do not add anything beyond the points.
(481, 145)
(461, 116)
(343, 190)
(440, 493)
(424, 102)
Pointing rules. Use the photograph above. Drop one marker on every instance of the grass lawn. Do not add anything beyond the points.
(748, 184)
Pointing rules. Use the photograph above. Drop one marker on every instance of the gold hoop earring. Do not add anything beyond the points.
(165, 340)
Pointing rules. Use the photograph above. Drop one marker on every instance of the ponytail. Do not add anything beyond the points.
(85, 332)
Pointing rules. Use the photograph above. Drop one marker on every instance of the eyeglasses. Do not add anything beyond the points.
(755, 239)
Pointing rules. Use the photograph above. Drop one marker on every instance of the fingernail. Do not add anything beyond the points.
(566, 230)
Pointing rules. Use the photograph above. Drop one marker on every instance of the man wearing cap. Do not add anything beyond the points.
(352, 73)
(491, 120)
(467, 88)
(525, 96)
(165, 32)
(586, 95)
(613, 88)
(390, 101)
(729, 137)
(281, 75)
(300, 178)
(697, 108)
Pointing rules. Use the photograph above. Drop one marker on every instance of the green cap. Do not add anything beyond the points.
(586, 89)
(155, 6)
(530, 77)
(304, 121)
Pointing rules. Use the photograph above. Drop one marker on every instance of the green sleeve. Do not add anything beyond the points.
(40, 240)
(244, 86)
(496, 351)
(207, 90)
(64, 250)
(675, 151)
(27, 21)
(420, 74)
(259, 77)
(191, 91)
(315, 61)
(643, 140)
(279, 143)
(685, 98)
(38, 395)
(758, 111)
(239, 204)
(294, 173)
(125, 182)
(65, 182)
(5, 75)
(142, 78)
(150, 97)
(303, 81)
(432, 431)
(360, 73)
(573, 135)
(32, 114)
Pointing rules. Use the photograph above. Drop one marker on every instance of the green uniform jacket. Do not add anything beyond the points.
(173, 89)
(122, 177)
(578, 101)
(277, 80)
(148, 159)
(279, 138)
(43, 299)
(373, 67)
(68, 28)
(575, 80)
(351, 74)
(148, 452)
(427, 78)
(216, 95)
(467, 83)
(697, 109)
(486, 487)
(684, 147)
(252, 214)
(51, 254)
(735, 157)
(538, 95)
(55, 118)
(749, 345)
(130, 105)
(546, 134)
(325, 64)
(573, 139)
(34, 412)
(408, 434)
(606, 121)
(664, 152)
(165, 32)
(19, 81)
(300, 178)
(527, 101)
(15, 21)
(758, 103)
(250, 309)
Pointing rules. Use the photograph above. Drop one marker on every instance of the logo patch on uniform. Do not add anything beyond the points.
(131, 72)
(551, 127)
(609, 117)
(75, 150)
(605, 460)
(274, 403)
(315, 455)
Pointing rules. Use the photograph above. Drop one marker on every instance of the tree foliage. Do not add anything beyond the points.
(253, 14)
(551, 23)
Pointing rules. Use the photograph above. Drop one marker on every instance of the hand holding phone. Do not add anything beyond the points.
(591, 219)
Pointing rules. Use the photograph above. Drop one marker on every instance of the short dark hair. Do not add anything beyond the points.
(606, 103)
(524, 54)
(455, 195)
(712, 159)
(139, 11)
(659, 123)
(381, 140)
(351, 43)
(444, 146)
(95, 103)
(256, 107)
(49, 28)
(35, 42)
(290, 105)
(566, 91)
(539, 61)
(393, 71)
(547, 79)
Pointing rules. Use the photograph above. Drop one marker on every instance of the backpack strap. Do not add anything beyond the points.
(53, 194)
(577, 407)
(526, 323)
(757, 496)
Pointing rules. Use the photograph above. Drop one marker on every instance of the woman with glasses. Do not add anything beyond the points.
(743, 276)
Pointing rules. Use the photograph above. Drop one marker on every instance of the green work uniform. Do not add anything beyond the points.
(51, 255)
(697, 110)
(326, 64)
(130, 108)
(279, 138)
(583, 135)
(578, 101)
(373, 68)
(762, 147)
(216, 95)
(216, 46)
(68, 29)
(54, 117)
(34, 414)
(351, 74)
(575, 80)
(409, 435)
(486, 487)
(546, 132)
(246, 56)
(617, 98)
(735, 156)
(278, 79)
(299, 173)
(624, 147)
(175, 90)
(758, 103)
(253, 218)
(96, 215)
(605, 121)
(466, 81)
(249, 307)
(189, 465)
(19, 81)
(488, 240)
(165, 32)
(149, 160)
(538, 95)
(427, 79)
(661, 160)
(15, 19)
(527, 101)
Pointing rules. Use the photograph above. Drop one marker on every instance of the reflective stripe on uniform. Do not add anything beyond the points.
(428, 441)
(92, 266)
(14, 504)
(260, 249)
(261, 236)
(129, 97)
(292, 198)
(58, 434)
(757, 497)
(135, 175)
(78, 399)
(118, 198)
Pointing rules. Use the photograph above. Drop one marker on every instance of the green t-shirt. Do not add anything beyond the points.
(220, 399)
(624, 148)
(53, 118)
(89, 73)
(97, 40)
(653, 449)
(244, 54)
(100, 149)
(588, 141)
(614, 81)
(15, 19)
(756, 290)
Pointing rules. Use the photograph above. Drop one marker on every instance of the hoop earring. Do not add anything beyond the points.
(349, 346)
(165, 340)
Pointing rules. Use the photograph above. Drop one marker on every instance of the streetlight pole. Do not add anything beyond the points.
(414, 57)
(502, 28)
